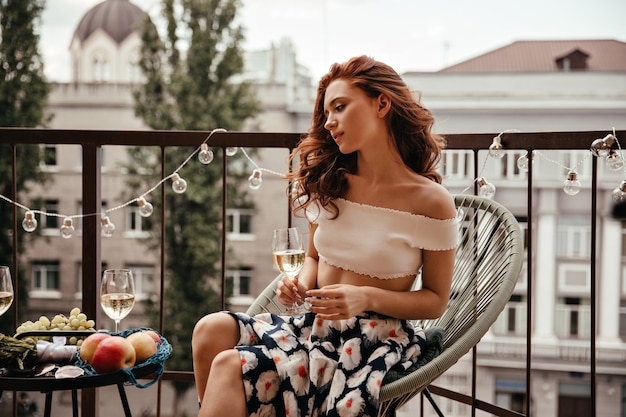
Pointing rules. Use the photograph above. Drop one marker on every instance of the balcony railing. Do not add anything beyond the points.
(513, 341)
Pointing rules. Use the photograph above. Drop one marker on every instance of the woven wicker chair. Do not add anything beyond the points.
(488, 262)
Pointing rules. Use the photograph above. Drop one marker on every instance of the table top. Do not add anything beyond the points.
(50, 383)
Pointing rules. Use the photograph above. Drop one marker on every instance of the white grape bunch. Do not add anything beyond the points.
(77, 320)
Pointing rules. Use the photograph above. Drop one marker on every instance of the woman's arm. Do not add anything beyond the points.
(341, 301)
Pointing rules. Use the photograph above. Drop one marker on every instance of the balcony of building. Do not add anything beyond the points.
(558, 349)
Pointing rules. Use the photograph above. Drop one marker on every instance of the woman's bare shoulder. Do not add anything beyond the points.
(434, 200)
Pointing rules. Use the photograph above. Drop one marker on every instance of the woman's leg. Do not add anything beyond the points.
(225, 394)
(213, 334)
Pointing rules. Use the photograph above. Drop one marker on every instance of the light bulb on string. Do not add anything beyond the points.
(231, 150)
(614, 161)
(602, 147)
(619, 194)
(30, 222)
(179, 185)
(523, 161)
(145, 207)
(107, 226)
(255, 179)
(495, 149)
(485, 188)
(67, 230)
(571, 185)
(205, 155)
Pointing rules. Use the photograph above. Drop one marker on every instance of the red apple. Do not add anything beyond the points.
(143, 344)
(154, 335)
(113, 353)
(90, 344)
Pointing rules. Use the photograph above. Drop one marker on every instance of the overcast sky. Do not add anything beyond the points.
(410, 35)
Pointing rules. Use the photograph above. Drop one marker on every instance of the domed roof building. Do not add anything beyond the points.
(105, 45)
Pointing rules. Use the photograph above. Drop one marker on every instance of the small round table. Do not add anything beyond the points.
(49, 384)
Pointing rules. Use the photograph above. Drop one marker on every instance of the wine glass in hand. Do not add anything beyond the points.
(117, 294)
(288, 252)
(6, 289)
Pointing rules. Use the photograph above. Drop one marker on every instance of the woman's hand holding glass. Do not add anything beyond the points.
(288, 254)
(290, 292)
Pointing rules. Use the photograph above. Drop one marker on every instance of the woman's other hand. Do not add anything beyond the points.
(338, 301)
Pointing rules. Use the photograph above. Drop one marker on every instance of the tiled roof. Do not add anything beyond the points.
(542, 56)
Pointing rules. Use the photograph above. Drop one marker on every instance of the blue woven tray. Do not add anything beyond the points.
(157, 360)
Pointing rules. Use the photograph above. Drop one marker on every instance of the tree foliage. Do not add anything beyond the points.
(23, 98)
(190, 85)
(23, 87)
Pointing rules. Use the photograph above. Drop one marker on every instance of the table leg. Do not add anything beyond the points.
(48, 406)
(120, 388)
(74, 403)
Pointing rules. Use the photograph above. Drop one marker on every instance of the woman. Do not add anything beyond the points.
(368, 185)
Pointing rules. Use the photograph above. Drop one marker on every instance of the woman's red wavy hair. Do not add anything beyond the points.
(321, 167)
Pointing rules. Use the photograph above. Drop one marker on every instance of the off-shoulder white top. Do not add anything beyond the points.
(376, 241)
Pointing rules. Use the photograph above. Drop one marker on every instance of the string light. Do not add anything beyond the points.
(30, 222)
(495, 149)
(107, 226)
(602, 147)
(67, 230)
(485, 188)
(619, 194)
(523, 162)
(614, 160)
(179, 185)
(571, 185)
(145, 207)
(205, 155)
(255, 179)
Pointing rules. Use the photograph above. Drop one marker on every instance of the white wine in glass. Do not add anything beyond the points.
(288, 253)
(6, 289)
(117, 294)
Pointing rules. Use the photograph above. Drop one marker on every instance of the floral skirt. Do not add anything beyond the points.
(307, 367)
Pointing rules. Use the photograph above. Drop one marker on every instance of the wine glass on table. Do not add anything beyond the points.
(6, 289)
(288, 253)
(117, 294)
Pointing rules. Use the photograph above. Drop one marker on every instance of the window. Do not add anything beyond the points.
(573, 318)
(133, 71)
(144, 276)
(574, 237)
(511, 394)
(457, 164)
(134, 224)
(240, 281)
(512, 320)
(622, 319)
(239, 222)
(50, 224)
(100, 67)
(45, 277)
(49, 156)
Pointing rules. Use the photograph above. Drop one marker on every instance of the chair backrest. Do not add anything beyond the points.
(488, 262)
